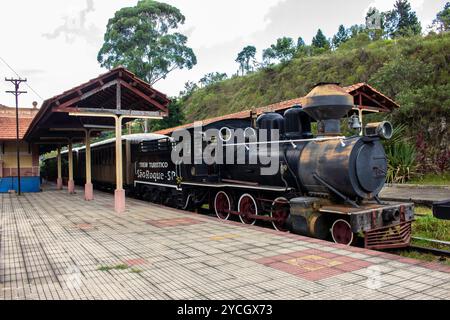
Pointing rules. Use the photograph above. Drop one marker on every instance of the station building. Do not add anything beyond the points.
(29, 153)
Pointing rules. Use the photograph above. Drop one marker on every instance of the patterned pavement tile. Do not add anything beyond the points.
(57, 246)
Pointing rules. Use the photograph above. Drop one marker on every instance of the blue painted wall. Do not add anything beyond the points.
(27, 184)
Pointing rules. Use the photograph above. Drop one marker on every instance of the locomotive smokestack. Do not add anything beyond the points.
(327, 103)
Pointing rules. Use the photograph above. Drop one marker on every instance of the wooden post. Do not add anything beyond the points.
(59, 182)
(88, 188)
(71, 183)
(119, 194)
(360, 114)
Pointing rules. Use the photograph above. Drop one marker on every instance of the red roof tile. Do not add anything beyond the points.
(8, 121)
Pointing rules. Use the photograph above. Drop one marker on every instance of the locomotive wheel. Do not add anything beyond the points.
(341, 231)
(279, 212)
(247, 205)
(222, 205)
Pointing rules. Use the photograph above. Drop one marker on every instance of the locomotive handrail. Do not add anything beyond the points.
(284, 141)
(343, 197)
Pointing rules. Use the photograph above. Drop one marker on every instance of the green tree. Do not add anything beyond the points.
(245, 57)
(142, 39)
(355, 30)
(189, 88)
(442, 21)
(300, 42)
(340, 37)
(320, 41)
(283, 50)
(402, 21)
(175, 118)
(212, 78)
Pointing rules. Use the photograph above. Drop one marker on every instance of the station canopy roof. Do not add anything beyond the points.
(117, 92)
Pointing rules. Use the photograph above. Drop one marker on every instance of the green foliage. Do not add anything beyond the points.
(174, 119)
(244, 57)
(212, 78)
(282, 51)
(413, 71)
(300, 42)
(401, 156)
(320, 41)
(141, 38)
(189, 88)
(340, 37)
(441, 179)
(401, 161)
(431, 228)
(400, 74)
(402, 21)
(442, 21)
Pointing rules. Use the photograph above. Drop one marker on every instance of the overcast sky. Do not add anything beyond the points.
(55, 43)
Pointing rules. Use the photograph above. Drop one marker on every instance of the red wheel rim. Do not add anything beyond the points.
(222, 205)
(281, 213)
(341, 232)
(247, 206)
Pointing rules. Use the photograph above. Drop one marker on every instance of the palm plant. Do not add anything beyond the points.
(401, 156)
(401, 161)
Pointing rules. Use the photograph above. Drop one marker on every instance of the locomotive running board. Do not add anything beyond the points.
(157, 184)
(241, 186)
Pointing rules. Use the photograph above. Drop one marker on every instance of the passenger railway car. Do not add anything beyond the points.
(324, 186)
(103, 164)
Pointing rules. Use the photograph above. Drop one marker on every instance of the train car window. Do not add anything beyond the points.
(155, 145)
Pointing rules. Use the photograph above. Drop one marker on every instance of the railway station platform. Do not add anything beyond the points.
(57, 246)
(419, 194)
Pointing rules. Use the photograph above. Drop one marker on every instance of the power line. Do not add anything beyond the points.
(6, 63)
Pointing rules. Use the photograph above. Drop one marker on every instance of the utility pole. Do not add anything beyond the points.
(17, 93)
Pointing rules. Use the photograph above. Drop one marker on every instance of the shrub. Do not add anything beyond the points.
(401, 161)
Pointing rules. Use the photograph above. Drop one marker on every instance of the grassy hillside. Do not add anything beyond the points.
(414, 71)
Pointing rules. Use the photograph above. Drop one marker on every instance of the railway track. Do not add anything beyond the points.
(437, 252)
(441, 253)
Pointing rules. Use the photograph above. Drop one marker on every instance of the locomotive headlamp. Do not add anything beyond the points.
(384, 130)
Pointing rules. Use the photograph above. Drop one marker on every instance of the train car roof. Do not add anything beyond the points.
(134, 138)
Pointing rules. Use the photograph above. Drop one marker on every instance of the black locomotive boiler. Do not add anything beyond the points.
(326, 186)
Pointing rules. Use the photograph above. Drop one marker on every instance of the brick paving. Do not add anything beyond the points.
(58, 246)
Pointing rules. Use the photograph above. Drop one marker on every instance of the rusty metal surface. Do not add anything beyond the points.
(328, 101)
(389, 237)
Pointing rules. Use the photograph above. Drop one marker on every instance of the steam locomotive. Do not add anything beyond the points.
(324, 186)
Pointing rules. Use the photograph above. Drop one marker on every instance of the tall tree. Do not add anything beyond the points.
(442, 21)
(142, 39)
(320, 41)
(402, 21)
(189, 88)
(245, 57)
(283, 50)
(355, 29)
(175, 118)
(340, 37)
(213, 77)
(300, 42)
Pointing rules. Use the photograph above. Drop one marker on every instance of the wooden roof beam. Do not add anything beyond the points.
(143, 96)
